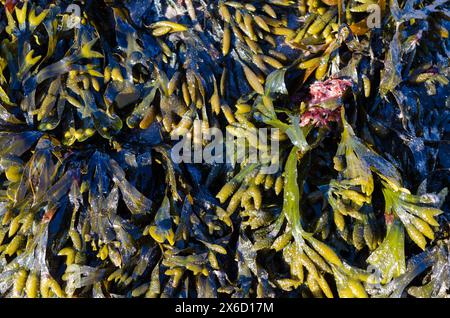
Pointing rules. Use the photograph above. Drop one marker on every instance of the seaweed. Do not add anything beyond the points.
(94, 204)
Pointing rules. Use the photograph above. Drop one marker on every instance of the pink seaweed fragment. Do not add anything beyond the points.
(321, 92)
(329, 89)
(319, 117)
(10, 4)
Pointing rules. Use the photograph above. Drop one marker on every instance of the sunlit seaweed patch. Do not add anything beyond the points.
(92, 204)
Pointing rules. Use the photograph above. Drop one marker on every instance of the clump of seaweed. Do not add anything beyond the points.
(92, 203)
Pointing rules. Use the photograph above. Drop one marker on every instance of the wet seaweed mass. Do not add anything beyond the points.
(92, 203)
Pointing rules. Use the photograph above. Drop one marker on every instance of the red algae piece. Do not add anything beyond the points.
(329, 89)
